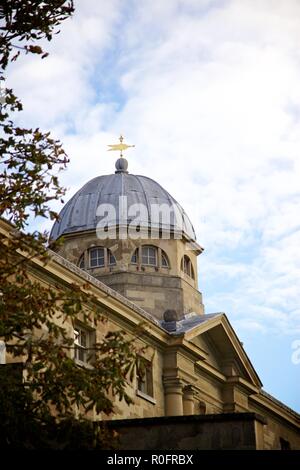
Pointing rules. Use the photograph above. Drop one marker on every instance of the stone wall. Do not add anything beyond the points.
(219, 432)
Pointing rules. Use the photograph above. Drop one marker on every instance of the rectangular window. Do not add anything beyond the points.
(96, 257)
(149, 255)
(145, 378)
(83, 340)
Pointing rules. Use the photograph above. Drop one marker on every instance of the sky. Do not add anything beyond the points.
(208, 91)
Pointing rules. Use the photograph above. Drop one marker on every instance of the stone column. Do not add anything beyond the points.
(173, 398)
(159, 257)
(188, 400)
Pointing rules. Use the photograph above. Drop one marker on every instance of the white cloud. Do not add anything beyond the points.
(209, 93)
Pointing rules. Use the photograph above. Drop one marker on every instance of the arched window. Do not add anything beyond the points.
(187, 267)
(98, 257)
(149, 255)
(164, 260)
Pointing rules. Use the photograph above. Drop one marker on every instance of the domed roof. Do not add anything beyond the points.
(81, 213)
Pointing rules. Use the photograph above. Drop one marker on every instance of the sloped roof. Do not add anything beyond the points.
(218, 325)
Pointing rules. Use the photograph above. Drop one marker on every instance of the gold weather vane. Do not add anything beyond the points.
(120, 146)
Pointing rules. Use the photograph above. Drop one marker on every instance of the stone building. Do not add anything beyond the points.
(135, 246)
(136, 243)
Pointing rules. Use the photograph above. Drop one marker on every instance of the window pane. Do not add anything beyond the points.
(151, 251)
(149, 255)
(97, 257)
(149, 383)
(111, 258)
(164, 260)
(83, 339)
(186, 265)
(145, 381)
(145, 251)
(80, 354)
(152, 260)
(80, 337)
(134, 257)
(93, 262)
(142, 385)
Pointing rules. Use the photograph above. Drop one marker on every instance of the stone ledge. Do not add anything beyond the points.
(220, 417)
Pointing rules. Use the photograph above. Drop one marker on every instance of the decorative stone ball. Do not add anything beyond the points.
(121, 165)
(170, 315)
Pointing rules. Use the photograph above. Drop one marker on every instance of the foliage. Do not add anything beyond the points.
(35, 318)
(27, 21)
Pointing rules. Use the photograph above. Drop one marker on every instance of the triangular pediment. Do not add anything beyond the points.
(223, 350)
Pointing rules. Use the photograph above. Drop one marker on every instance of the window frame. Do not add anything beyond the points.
(144, 383)
(96, 248)
(83, 355)
(164, 257)
(147, 256)
(87, 259)
(187, 267)
(140, 259)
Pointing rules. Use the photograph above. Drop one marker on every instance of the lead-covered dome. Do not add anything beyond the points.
(124, 192)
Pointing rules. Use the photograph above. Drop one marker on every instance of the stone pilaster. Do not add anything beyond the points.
(188, 400)
(173, 397)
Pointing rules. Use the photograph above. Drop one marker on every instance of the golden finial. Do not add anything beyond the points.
(120, 146)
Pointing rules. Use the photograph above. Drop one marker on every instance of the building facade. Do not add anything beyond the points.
(135, 246)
